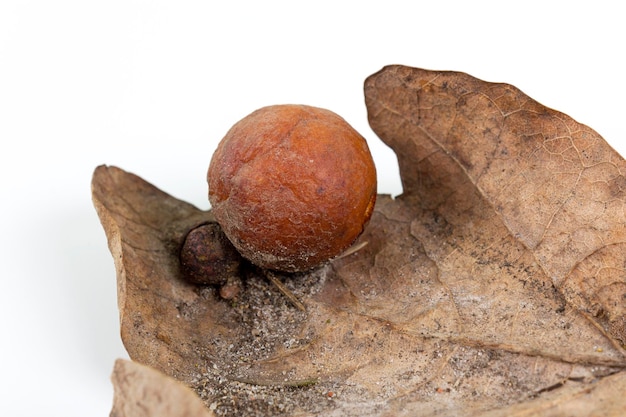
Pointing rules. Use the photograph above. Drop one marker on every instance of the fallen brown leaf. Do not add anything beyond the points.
(494, 285)
(539, 182)
(141, 391)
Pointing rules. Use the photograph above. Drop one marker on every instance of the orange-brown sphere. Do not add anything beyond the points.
(292, 186)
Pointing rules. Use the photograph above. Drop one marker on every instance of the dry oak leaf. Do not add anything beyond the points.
(493, 286)
(141, 391)
(549, 185)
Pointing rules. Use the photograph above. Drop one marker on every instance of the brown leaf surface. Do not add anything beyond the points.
(141, 391)
(494, 285)
(539, 183)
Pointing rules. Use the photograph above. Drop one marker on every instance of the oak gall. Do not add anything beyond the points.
(292, 186)
(207, 257)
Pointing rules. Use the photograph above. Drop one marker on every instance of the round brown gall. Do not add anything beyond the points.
(292, 186)
(207, 256)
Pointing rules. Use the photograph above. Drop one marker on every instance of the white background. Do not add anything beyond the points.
(152, 86)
